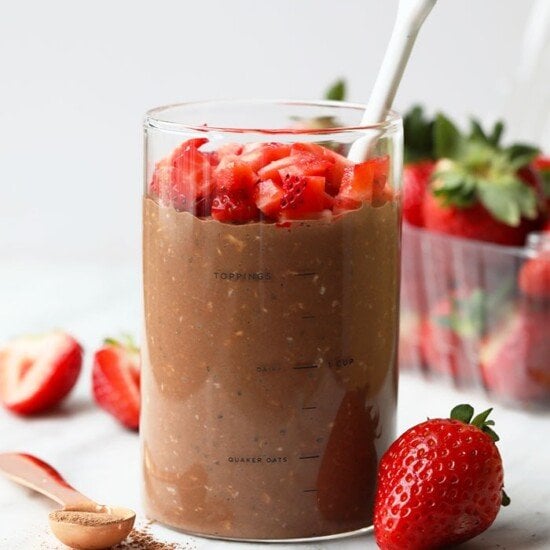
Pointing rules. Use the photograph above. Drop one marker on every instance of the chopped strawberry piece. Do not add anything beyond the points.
(304, 165)
(344, 204)
(37, 372)
(116, 381)
(229, 149)
(303, 197)
(258, 155)
(335, 171)
(268, 198)
(234, 196)
(357, 182)
(184, 180)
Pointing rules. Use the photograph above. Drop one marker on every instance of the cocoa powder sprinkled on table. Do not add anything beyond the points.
(142, 539)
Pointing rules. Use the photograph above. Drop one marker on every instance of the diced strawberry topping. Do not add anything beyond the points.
(268, 198)
(259, 155)
(241, 183)
(305, 165)
(184, 180)
(334, 172)
(234, 195)
(303, 197)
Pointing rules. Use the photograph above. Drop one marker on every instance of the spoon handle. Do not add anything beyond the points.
(38, 475)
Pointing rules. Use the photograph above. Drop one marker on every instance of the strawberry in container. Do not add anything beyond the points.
(470, 206)
(515, 357)
(417, 172)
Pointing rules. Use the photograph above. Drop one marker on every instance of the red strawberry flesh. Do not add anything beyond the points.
(116, 383)
(37, 372)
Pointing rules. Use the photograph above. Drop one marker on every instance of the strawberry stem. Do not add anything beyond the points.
(125, 341)
(465, 413)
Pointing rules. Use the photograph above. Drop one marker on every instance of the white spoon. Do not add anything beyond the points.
(410, 16)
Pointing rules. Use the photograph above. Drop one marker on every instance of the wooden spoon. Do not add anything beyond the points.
(81, 523)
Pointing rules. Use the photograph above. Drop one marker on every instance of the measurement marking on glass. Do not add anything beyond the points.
(308, 408)
(307, 274)
(309, 491)
(308, 316)
(298, 367)
(305, 457)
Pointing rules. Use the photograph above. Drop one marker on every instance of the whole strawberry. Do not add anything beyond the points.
(481, 190)
(439, 484)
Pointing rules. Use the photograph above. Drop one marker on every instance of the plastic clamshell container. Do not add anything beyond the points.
(464, 318)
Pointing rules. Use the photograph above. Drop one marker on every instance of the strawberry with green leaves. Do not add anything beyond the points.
(481, 190)
(440, 483)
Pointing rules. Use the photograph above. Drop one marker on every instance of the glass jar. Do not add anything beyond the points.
(271, 282)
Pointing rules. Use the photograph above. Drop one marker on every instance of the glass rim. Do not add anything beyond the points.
(154, 120)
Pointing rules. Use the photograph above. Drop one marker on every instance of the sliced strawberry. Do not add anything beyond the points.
(304, 197)
(184, 180)
(305, 165)
(234, 195)
(37, 372)
(258, 155)
(116, 381)
(268, 197)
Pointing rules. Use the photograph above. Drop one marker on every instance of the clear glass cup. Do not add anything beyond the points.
(271, 284)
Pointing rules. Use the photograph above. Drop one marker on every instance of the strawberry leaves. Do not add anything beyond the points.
(419, 136)
(473, 167)
(481, 170)
(465, 413)
(337, 91)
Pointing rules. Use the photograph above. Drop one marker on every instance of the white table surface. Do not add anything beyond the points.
(102, 459)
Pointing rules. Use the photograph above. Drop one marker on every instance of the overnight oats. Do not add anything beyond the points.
(271, 276)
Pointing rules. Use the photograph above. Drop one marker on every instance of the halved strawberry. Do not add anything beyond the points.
(37, 372)
(116, 380)
(184, 179)
(258, 155)
(234, 195)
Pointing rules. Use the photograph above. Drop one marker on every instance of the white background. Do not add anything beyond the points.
(76, 78)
